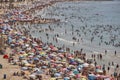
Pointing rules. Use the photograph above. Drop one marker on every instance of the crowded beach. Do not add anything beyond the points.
(36, 58)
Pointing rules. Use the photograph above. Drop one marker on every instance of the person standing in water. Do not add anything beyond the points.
(115, 52)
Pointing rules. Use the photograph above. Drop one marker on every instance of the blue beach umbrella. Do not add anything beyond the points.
(57, 74)
(36, 59)
(75, 71)
(91, 77)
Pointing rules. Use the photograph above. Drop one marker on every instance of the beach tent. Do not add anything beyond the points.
(5, 56)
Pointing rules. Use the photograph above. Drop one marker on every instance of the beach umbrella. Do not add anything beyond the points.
(92, 65)
(64, 69)
(38, 56)
(39, 72)
(75, 71)
(71, 74)
(53, 55)
(1, 21)
(98, 67)
(36, 59)
(57, 74)
(60, 65)
(99, 71)
(36, 69)
(42, 52)
(61, 51)
(91, 77)
(107, 79)
(72, 60)
(52, 60)
(12, 45)
(49, 49)
(51, 46)
(5, 56)
(79, 60)
(32, 76)
(104, 76)
(52, 78)
(70, 66)
(61, 55)
(30, 56)
(66, 78)
(22, 52)
(21, 57)
(97, 75)
(45, 48)
(39, 49)
(54, 49)
(44, 67)
(70, 57)
(83, 78)
(24, 68)
(27, 45)
(34, 44)
(30, 65)
(25, 54)
(80, 66)
(74, 63)
(85, 65)
(30, 53)
(24, 61)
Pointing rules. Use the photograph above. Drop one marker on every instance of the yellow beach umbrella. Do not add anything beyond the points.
(42, 53)
(25, 54)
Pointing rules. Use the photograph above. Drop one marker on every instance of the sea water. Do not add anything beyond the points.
(94, 16)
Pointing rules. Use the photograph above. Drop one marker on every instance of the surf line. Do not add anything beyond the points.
(61, 39)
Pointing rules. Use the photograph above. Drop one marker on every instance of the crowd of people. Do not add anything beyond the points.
(44, 61)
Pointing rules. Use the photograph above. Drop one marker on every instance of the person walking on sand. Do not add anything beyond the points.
(4, 76)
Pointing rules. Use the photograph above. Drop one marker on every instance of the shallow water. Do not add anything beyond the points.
(93, 15)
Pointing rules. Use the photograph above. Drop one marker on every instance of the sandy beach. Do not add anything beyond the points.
(90, 30)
